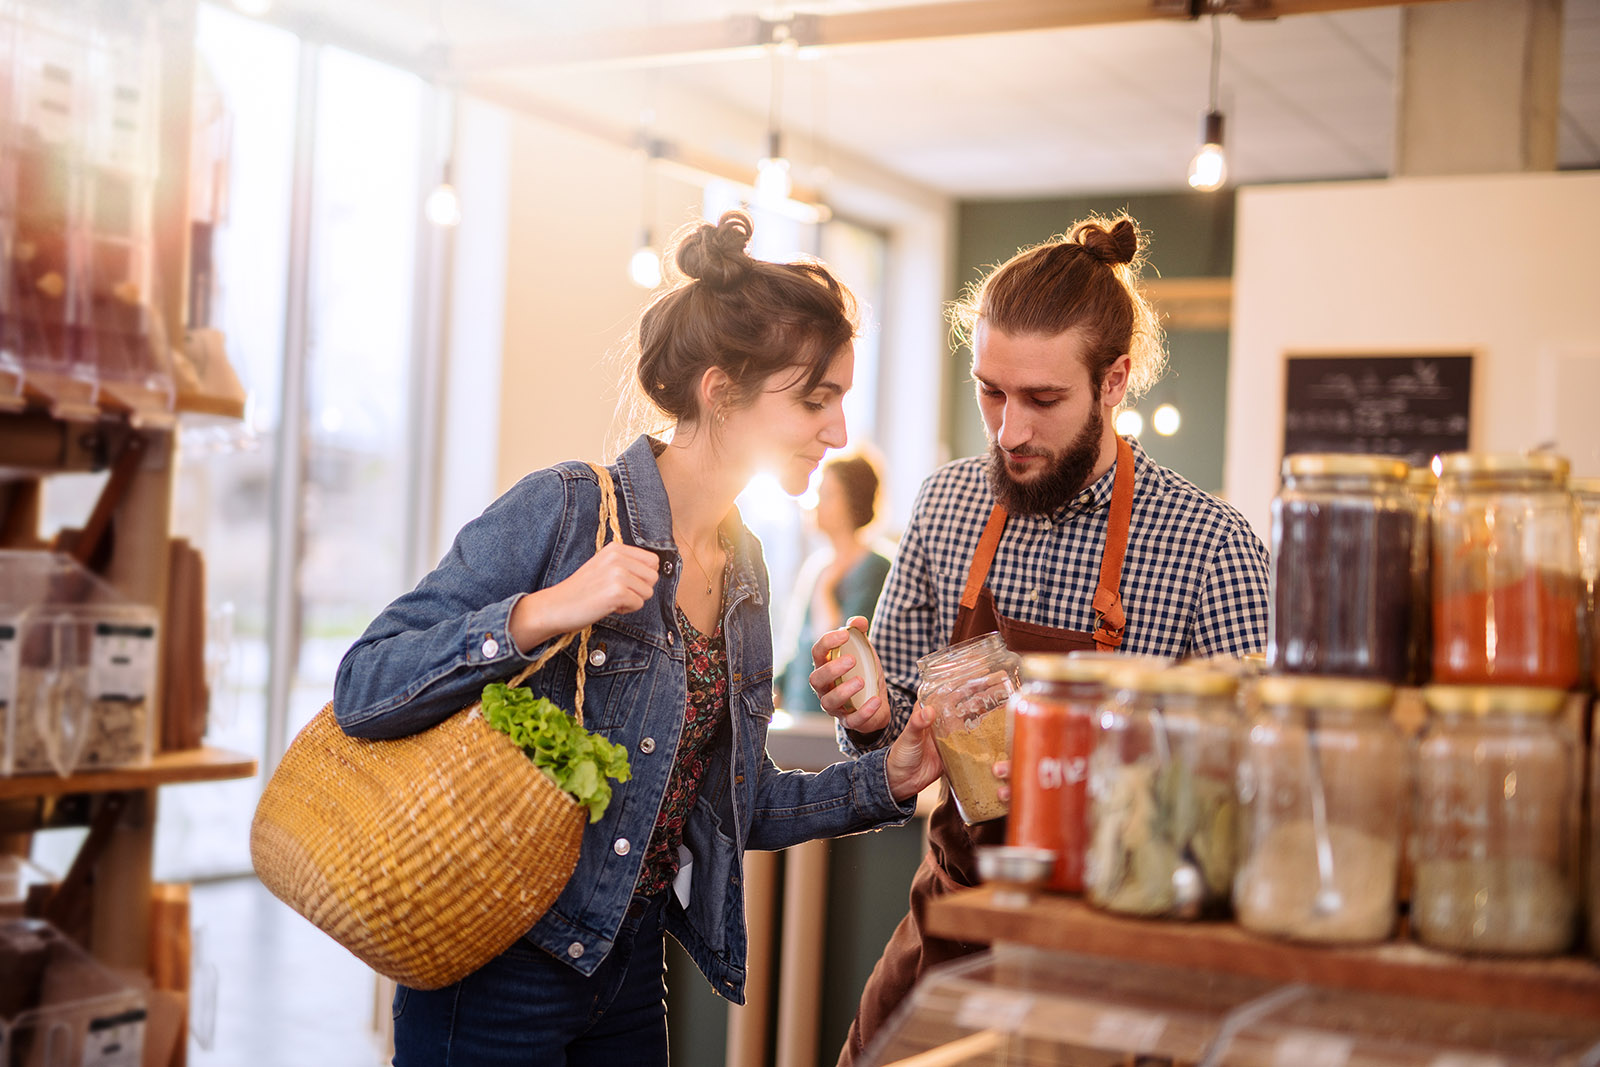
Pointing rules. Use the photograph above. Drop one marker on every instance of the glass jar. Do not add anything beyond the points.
(1322, 774)
(967, 686)
(1053, 720)
(1594, 833)
(1497, 809)
(1351, 517)
(1163, 816)
(1586, 493)
(1506, 589)
(1421, 485)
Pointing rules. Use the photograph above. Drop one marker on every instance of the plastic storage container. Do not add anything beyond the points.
(1342, 533)
(59, 1007)
(1507, 596)
(1163, 814)
(1496, 826)
(967, 686)
(1321, 778)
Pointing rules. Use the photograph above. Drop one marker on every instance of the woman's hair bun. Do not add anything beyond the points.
(1115, 246)
(716, 254)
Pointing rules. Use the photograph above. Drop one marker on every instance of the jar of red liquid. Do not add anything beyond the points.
(1052, 724)
(1507, 593)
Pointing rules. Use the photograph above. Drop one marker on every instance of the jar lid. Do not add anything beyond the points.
(1192, 681)
(1333, 464)
(1585, 486)
(1493, 699)
(1083, 666)
(1422, 477)
(1466, 464)
(1356, 694)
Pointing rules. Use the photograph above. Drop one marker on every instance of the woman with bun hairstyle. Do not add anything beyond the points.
(747, 362)
(1064, 537)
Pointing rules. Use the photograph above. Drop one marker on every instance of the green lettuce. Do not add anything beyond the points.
(578, 761)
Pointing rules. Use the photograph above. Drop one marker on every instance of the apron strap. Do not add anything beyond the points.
(1109, 619)
(978, 571)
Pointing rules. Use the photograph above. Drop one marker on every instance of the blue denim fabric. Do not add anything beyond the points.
(525, 1008)
(431, 652)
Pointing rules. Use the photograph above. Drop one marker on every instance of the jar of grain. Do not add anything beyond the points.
(1497, 810)
(1162, 812)
(1321, 777)
(1507, 596)
(967, 686)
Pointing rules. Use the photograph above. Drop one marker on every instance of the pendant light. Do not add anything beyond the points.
(1208, 170)
(773, 182)
(644, 266)
(443, 206)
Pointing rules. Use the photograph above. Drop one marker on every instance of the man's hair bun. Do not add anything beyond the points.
(1115, 246)
(715, 255)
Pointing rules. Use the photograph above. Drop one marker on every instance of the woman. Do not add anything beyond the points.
(843, 579)
(749, 361)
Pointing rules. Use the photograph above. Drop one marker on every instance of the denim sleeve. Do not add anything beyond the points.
(431, 652)
(850, 796)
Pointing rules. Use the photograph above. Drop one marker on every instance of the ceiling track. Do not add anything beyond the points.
(742, 36)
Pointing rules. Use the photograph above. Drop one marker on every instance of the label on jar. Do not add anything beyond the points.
(115, 1041)
(1303, 1048)
(122, 660)
(1130, 1031)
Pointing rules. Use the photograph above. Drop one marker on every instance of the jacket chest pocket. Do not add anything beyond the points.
(616, 677)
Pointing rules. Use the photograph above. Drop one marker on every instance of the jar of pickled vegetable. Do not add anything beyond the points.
(1322, 774)
(1163, 817)
(1342, 533)
(967, 686)
(1507, 595)
(1497, 812)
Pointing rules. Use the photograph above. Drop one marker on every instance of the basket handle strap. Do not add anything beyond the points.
(608, 521)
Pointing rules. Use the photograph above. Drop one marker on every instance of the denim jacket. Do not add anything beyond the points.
(432, 651)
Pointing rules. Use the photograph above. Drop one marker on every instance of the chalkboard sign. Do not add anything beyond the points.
(1409, 406)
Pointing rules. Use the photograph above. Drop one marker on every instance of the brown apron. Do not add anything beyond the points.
(951, 861)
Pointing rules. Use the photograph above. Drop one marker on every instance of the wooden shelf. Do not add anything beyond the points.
(1568, 985)
(169, 768)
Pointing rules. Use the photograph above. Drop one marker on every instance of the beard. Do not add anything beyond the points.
(1064, 476)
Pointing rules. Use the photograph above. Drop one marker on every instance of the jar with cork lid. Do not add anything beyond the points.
(1163, 818)
(1507, 595)
(1322, 775)
(967, 686)
(1496, 825)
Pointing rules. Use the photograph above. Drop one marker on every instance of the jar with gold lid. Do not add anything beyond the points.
(1163, 817)
(1343, 527)
(1507, 595)
(967, 686)
(1322, 774)
(1053, 719)
(1496, 826)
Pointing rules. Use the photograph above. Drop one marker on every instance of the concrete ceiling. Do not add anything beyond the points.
(1107, 108)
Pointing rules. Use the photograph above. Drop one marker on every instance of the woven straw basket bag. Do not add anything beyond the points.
(429, 855)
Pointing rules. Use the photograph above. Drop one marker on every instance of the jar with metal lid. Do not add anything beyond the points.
(1342, 533)
(1053, 719)
(1163, 817)
(1497, 810)
(1421, 485)
(1586, 494)
(1507, 595)
(967, 686)
(1322, 774)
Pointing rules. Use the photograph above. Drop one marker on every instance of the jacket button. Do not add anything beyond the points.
(647, 745)
(621, 846)
(597, 657)
(671, 640)
(666, 566)
(575, 949)
(491, 647)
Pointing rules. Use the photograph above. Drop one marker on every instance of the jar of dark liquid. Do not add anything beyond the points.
(1507, 594)
(1422, 483)
(1342, 533)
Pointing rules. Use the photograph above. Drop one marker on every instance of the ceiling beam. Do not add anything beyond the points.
(741, 36)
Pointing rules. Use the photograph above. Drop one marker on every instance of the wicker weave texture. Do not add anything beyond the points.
(425, 856)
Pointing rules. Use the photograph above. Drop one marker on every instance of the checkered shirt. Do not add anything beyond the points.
(1194, 579)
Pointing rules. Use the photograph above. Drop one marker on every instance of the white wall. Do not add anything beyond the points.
(1507, 266)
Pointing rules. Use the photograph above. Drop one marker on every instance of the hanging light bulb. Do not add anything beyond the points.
(773, 183)
(443, 206)
(645, 265)
(1208, 170)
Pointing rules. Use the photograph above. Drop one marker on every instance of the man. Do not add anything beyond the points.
(1065, 537)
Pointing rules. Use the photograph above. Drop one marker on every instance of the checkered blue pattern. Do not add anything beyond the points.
(1194, 579)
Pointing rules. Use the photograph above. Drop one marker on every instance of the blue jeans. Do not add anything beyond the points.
(526, 1007)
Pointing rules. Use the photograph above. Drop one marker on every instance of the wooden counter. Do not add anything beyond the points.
(1568, 985)
(204, 764)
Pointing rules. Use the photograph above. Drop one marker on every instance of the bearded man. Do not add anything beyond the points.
(1065, 537)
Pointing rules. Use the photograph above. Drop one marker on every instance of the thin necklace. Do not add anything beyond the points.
(696, 557)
